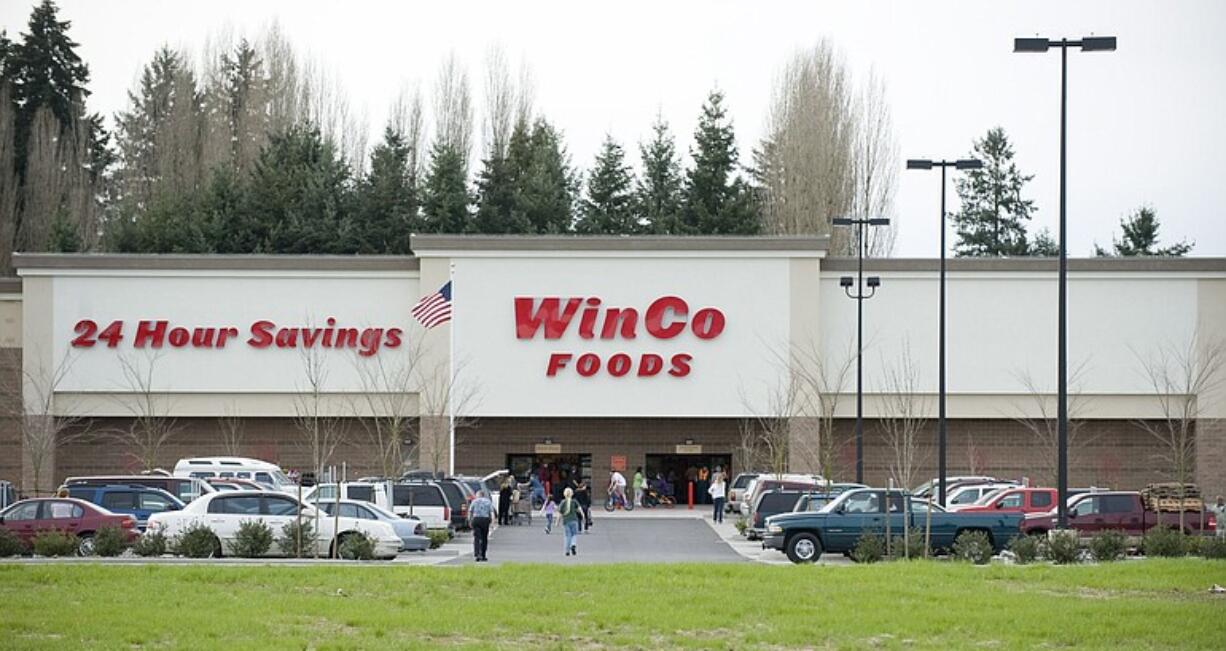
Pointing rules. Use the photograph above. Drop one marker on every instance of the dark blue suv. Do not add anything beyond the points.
(137, 501)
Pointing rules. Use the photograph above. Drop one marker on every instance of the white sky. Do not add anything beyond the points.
(1146, 122)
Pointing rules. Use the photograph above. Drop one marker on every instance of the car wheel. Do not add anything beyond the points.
(85, 545)
(804, 548)
(216, 548)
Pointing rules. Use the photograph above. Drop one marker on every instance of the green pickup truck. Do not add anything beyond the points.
(804, 537)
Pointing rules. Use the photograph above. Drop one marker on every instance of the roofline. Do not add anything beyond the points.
(422, 243)
(227, 262)
(1139, 264)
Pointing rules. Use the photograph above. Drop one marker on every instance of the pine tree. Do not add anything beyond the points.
(992, 221)
(1139, 237)
(6, 50)
(717, 200)
(386, 200)
(609, 205)
(445, 192)
(1044, 245)
(546, 192)
(498, 183)
(658, 193)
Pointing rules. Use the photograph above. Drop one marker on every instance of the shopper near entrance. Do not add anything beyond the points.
(548, 511)
(617, 488)
(717, 492)
(504, 502)
(1218, 509)
(639, 484)
(480, 511)
(583, 495)
(572, 514)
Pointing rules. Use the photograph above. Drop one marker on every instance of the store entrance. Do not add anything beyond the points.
(558, 468)
(678, 469)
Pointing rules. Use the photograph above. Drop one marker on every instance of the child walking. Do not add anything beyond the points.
(548, 510)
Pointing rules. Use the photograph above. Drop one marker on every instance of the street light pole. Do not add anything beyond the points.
(873, 282)
(1087, 44)
(942, 425)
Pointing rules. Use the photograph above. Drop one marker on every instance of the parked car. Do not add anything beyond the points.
(929, 488)
(768, 504)
(237, 467)
(234, 484)
(458, 496)
(764, 483)
(412, 531)
(804, 536)
(1091, 513)
(424, 500)
(736, 491)
(186, 489)
(968, 494)
(813, 501)
(27, 518)
(139, 502)
(223, 512)
(1015, 500)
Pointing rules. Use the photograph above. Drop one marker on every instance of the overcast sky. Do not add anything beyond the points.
(1147, 123)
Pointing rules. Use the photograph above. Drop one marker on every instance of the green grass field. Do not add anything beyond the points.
(1152, 604)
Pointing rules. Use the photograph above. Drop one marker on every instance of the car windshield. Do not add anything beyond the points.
(836, 502)
(281, 478)
(989, 496)
(742, 481)
(382, 512)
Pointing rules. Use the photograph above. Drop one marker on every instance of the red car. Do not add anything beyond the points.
(1017, 500)
(28, 517)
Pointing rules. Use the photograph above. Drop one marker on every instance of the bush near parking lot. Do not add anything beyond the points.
(10, 544)
(1025, 548)
(973, 546)
(1213, 548)
(289, 540)
(196, 541)
(909, 547)
(109, 541)
(1164, 542)
(253, 539)
(55, 543)
(1108, 546)
(358, 547)
(869, 548)
(150, 544)
(1062, 548)
(742, 523)
(438, 538)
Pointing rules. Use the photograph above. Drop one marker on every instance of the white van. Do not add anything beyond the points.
(422, 500)
(237, 467)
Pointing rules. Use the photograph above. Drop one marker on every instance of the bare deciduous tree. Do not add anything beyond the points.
(233, 431)
(387, 409)
(408, 119)
(8, 181)
(874, 167)
(437, 388)
(1181, 376)
(773, 421)
(825, 377)
(1045, 427)
(29, 400)
(453, 111)
(902, 421)
(151, 424)
(320, 430)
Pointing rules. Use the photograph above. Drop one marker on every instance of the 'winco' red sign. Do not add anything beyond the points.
(667, 317)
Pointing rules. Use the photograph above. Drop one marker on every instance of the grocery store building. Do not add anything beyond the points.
(602, 352)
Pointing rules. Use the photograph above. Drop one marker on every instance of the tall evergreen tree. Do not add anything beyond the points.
(1139, 237)
(386, 200)
(717, 200)
(498, 184)
(445, 192)
(609, 205)
(658, 192)
(6, 49)
(546, 192)
(992, 221)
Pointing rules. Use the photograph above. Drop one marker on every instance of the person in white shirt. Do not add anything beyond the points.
(617, 488)
(717, 493)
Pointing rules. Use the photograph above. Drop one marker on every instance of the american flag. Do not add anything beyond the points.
(434, 309)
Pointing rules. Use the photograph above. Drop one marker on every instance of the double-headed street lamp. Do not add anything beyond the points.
(846, 282)
(925, 164)
(1034, 45)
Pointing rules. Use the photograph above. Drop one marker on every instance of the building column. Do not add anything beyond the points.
(434, 446)
(1211, 457)
(804, 444)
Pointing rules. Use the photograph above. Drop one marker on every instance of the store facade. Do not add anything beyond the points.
(596, 352)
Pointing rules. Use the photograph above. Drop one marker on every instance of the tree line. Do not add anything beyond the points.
(253, 148)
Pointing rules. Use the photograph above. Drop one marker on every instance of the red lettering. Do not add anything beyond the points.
(587, 323)
(226, 332)
(371, 338)
(85, 330)
(151, 332)
(346, 337)
(628, 317)
(287, 337)
(203, 337)
(650, 364)
(392, 339)
(588, 364)
(654, 321)
(557, 361)
(619, 364)
(527, 322)
(708, 323)
(310, 336)
(261, 334)
(179, 337)
(111, 335)
(681, 365)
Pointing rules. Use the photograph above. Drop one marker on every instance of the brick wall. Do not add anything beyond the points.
(10, 407)
(1211, 456)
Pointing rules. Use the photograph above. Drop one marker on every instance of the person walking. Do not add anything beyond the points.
(572, 514)
(639, 484)
(548, 511)
(479, 512)
(1219, 514)
(617, 489)
(717, 492)
(583, 495)
(504, 502)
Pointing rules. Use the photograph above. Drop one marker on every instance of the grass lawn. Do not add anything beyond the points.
(1151, 604)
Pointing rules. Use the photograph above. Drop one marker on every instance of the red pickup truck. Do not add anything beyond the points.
(1017, 500)
(1119, 511)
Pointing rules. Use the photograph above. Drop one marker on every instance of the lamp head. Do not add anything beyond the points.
(879, 221)
(919, 164)
(845, 281)
(873, 281)
(1098, 44)
(1030, 45)
(969, 164)
(842, 221)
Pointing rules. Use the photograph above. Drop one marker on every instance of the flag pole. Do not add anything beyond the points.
(451, 385)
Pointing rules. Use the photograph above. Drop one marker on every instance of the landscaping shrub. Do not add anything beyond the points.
(358, 547)
(973, 546)
(288, 542)
(1108, 546)
(109, 541)
(1025, 548)
(437, 538)
(196, 541)
(742, 523)
(55, 543)
(10, 544)
(1164, 542)
(252, 540)
(150, 544)
(869, 548)
(911, 548)
(1062, 548)
(1213, 547)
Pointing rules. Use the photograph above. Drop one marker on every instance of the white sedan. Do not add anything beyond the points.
(223, 512)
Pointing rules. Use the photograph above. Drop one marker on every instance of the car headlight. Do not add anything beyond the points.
(774, 528)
